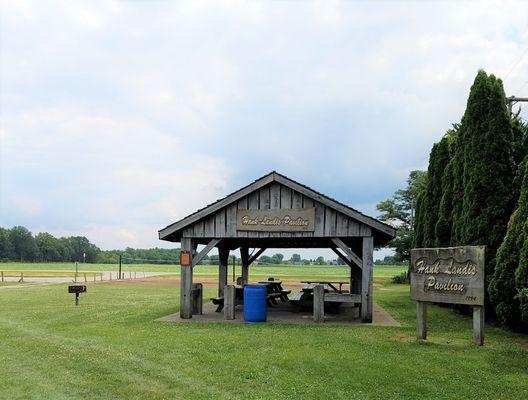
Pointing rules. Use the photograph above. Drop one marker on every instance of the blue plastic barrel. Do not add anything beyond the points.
(255, 303)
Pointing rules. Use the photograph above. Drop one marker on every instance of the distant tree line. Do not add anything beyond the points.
(19, 244)
(476, 193)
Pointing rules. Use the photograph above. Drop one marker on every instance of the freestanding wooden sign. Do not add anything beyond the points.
(449, 275)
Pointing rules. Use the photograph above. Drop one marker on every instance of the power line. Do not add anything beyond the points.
(516, 63)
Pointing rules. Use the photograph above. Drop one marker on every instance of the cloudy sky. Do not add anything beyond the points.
(118, 118)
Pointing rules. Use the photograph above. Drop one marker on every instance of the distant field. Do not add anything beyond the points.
(257, 271)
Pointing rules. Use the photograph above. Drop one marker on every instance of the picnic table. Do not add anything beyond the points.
(304, 299)
(329, 285)
(275, 291)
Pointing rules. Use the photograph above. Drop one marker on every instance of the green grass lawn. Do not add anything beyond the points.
(111, 347)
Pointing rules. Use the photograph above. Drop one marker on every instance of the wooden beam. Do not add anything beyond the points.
(478, 325)
(199, 257)
(252, 259)
(421, 320)
(244, 257)
(229, 302)
(343, 257)
(366, 279)
(342, 298)
(318, 303)
(186, 279)
(223, 259)
(348, 251)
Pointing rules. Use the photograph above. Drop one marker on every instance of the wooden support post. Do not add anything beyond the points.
(229, 302)
(366, 279)
(2, 276)
(244, 256)
(135, 274)
(197, 301)
(318, 303)
(110, 275)
(478, 325)
(421, 320)
(186, 282)
(223, 259)
(95, 276)
(85, 277)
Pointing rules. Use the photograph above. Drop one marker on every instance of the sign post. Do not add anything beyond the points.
(453, 275)
(77, 289)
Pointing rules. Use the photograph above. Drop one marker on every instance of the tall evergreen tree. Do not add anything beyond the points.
(510, 275)
(521, 273)
(438, 161)
(445, 218)
(488, 168)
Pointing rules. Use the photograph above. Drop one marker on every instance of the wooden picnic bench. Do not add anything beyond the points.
(275, 291)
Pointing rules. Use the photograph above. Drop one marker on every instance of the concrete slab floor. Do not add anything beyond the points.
(285, 314)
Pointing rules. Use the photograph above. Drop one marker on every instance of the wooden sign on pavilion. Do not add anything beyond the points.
(278, 212)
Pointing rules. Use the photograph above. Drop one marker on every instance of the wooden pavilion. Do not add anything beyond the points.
(278, 212)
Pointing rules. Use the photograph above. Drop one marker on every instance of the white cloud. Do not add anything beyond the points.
(120, 117)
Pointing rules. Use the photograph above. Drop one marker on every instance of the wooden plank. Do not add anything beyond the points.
(307, 203)
(275, 198)
(366, 279)
(353, 228)
(229, 302)
(330, 222)
(242, 204)
(286, 202)
(365, 230)
(342, 298)
(478, 325)
(231, 221)
(209, 227)
(198, 228)
(188, 232)
(319, 219)
(421, 320)
(264, 204)
(318, 303)
(297, 200)
(220, 229)
(199, 257)
(253, 204)
(342, 224)
(348, 252)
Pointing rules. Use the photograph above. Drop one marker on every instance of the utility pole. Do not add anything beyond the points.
(514, 100)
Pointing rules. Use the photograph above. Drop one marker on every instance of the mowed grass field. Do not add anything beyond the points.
(111, 347)
(208, 271)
